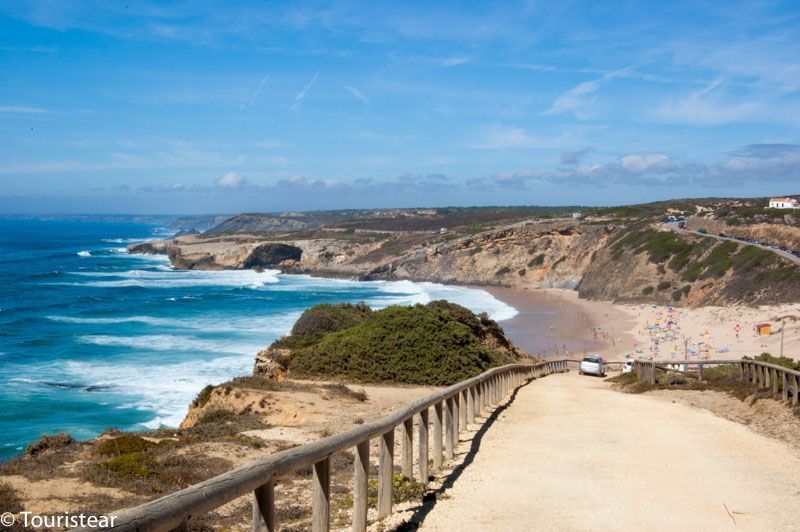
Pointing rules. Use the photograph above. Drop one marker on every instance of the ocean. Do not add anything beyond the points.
(92, 337)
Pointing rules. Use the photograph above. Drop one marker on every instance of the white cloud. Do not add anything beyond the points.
(638, 163)
(254, 97)
(21, 109)
(357, 94)
(502, 138)
(231, 180)
(708, 106)
(575, 100)
(298, 100)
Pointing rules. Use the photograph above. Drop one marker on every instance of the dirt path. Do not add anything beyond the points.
(571, 454)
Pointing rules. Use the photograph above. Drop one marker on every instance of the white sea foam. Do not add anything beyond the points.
(166, 389)
(169, 342)
(267, 325)
(84, 254)
(168, 278)
(406, 293)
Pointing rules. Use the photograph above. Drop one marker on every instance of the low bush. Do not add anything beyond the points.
(663, 285)
(438, 343)
(203, 397)
(131, 465)
(215, 416)
(647, 290)
(127, 443)
(538, 260)
(49, 442)
(503, 271)
(9, 500)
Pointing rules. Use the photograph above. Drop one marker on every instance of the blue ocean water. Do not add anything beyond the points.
(92, 338)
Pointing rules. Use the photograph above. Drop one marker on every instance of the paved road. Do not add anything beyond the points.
(673, 226)
(571, 454)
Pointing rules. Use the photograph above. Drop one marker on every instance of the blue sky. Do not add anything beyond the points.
(192, 107)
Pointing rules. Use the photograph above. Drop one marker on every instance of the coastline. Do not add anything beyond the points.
(555, 322)
(644, 330)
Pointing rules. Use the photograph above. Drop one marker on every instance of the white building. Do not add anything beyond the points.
(783, 203)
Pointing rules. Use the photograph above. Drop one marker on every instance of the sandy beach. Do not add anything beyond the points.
(555, 322)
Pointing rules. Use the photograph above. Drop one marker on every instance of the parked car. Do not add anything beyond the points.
(627, 367)
(594, 365)
(681, 225)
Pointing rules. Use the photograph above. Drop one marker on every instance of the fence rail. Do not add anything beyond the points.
(782, 380)
(452, 409)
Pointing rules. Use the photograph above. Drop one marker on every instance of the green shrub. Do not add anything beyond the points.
(522, 272)
(503, 271)
(216, 415)
(661, 270)
(663, 285)
(439, 343)
(202, 397)
(49, 441)
(127, 443)
(719, 261)
(9, 500)
(648, 290)
(475, 251)
(325, 318)
(538, 260)
(778, 361)
(131, 465)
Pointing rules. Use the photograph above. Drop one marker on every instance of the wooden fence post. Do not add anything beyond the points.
(407, 449)
(385, 473)
(785, 387)
(463, 409)
(741, 371)
(437, 435)
(448, 428)
(456, 418)
(774, 381)
(422, 455)
(264, 507)
(321, 498)
(360, 486)
(471, 405)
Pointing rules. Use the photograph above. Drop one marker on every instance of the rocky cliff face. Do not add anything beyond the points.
(541, 254)
(586, 256)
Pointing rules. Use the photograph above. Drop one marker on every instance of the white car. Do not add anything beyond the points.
(594, 365)
(627, 367)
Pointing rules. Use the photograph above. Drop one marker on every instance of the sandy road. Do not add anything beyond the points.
(571, 454)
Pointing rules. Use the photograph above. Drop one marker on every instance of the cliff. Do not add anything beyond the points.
(635, 262)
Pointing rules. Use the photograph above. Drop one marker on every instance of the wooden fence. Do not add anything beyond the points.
(783, 381)
(452, 409)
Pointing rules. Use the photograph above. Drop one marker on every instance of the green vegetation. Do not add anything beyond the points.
(127, 443)
(778, 361)
(322, 319)
(503, 271)
(723, 378)
(216, 415)
(9, 500)
(438, 343)
(475, 251)
(648, 290)
(663, 285)
(403, 489)
(538, 260)
(203, 397)
(49, 442)
(131, 465)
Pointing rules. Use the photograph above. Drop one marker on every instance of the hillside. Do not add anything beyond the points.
(439, 343)
(596, 253)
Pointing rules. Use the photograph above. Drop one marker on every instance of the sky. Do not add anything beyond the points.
(224, 106)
